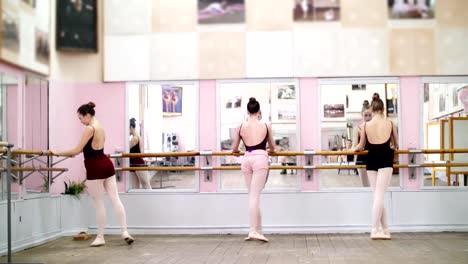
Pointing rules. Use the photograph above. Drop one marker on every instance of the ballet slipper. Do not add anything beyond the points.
(386, 233)
(377, 235)
(257, 236)
(99, 241)
(128, 238)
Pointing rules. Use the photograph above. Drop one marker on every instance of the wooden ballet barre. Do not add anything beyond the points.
(28, 152)
(5, 144)
(154, 155)
(39, 169)
(292, 167)
(175, 168)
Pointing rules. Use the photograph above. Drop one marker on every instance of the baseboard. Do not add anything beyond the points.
(31, 242)
(197, 230)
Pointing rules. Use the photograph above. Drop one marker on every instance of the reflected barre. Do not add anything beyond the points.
(307, 153)
(294, 167)
(37, 169)
(281, 153)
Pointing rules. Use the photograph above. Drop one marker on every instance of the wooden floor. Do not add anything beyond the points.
(404, 248)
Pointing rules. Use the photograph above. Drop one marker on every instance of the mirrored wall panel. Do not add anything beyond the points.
(162, 118)
(445, 125)
(344, 108)
(279, 106)
(36, 134)
(9, 124)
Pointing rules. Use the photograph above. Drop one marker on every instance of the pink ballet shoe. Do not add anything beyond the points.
(128, 238)
(387, 235)
(99, 241)
(256, 236)
(378, 236)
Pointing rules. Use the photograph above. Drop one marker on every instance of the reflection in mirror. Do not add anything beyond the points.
(344, 109)
(164, 119)
(8, 129)
(278, 105)
(36, 134)
(445, 127)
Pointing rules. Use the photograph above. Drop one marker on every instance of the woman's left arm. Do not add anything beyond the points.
(394, 136)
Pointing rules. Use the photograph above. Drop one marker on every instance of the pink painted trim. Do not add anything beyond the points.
(310, 119)
(207, 129)
(410, 125)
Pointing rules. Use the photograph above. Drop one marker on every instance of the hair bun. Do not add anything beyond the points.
(365, 103)
(132, 119)
(252, 100)
(376, 96)
(91, 104)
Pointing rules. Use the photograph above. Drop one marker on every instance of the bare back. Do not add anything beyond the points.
(253, 132)
(99, 136)
(378, 131)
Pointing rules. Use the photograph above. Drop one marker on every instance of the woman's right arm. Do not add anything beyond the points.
(271, 141)
(87, 134)
(236, 140)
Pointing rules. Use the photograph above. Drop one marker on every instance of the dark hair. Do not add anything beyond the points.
(87, 109)
(253, 106)
(377, 104)
(132, 122)
(365, 106)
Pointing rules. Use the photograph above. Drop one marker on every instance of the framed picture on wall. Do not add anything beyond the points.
(411, 9)
(454, 104)
(171, 100)
(283, 102)
(25, 34)
(77, 25)
(334, 112)
(316, 10)
(221, 11)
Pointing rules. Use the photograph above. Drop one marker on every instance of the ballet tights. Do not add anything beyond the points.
(379, 181)
(96, 188)
(255, 183)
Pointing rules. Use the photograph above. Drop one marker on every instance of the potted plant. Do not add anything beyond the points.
(74, 188)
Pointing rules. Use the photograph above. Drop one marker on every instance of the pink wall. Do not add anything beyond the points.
(15, 105)
(309, 124)
(65, 129)
(208, 121)
(410, 125)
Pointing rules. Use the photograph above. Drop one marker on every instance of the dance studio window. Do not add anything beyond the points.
(341, 105)
(166, 119)
(445, 126)
(8, 130)
(279, 106)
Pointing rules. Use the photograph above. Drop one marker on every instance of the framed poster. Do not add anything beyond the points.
(283, 103)
(411, 9)
(77, 25)
(25, 38)
(316, 10)
(221, 11)
(171, 100)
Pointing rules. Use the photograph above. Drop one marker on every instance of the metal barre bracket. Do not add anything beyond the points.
(309, 164)
(115, 155)
(206, 153)
(412, 162)
(206, 165)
